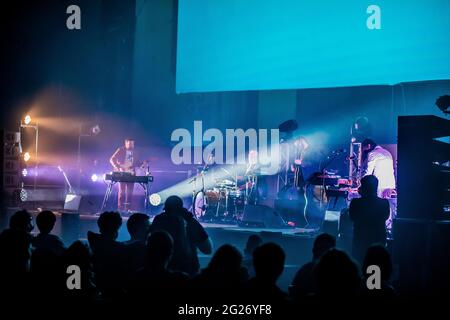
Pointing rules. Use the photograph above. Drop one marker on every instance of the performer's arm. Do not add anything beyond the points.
(114, 160)
(371, 160)
(303, 145)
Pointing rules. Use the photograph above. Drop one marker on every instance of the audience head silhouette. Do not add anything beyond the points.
(78, 254)
(226, 261)
(369, 186)
(322, 244)
(138, 226)
(21, 221)
(337, 274)
(159, 249)
(109, 224)
(379, 256)
(173, 204)
(268, 261)
(253, 242)
(45, 221)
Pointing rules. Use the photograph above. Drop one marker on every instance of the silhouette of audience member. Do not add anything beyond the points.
(268, 261)
(45, 242)
(15, 245)
(155, 278)
(138, 226)
(224, 274)
(253, 242)
(187, 233)
(78, 254)
(336, 275)
(369, 214)
(108, 255)
(303, 283)
(46, 262)
(378, 255)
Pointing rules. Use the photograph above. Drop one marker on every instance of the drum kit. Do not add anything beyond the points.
(226, 200)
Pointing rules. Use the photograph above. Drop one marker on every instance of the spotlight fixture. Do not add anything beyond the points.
(94, 177)
(26, 156)
(23, 195)
(95, 130)
(27, 119)
(24, 172)
(155, 199)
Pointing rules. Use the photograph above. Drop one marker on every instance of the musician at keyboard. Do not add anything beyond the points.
(126, 159)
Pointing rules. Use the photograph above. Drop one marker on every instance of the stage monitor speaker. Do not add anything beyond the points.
(72, 202)
(261, 216)
(291, 210)
(331, 222)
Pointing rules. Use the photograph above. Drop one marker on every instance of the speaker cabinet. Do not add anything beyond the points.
(261, 216)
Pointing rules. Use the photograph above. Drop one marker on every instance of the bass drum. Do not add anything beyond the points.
(200, 204)
(204, 201)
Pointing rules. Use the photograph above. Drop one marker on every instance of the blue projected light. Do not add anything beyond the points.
(228, 45)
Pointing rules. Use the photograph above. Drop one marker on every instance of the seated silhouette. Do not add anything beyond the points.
(78, 254)
(138, 226)
(223, 277)
(155, 280)
(337, 275)
(369, 214)
(379, 256)
(303, 283)
(187, 233)
(44, 241)
(253, 242)
(268, 261)
(15, 245)
(47, 250)
(108, 256)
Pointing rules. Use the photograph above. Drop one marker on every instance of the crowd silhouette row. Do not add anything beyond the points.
(160, 262)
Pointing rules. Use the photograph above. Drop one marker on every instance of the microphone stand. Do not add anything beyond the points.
(202, 190)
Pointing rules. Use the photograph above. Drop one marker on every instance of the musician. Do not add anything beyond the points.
(378, 162)
(125, 160)
(300, 146)
(252, 172)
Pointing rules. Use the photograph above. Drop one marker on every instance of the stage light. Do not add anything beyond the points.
(23, 195)
(26, 156)
(155, 199)
(95, 130)
(27, 119)
(24, 172)
(94, 178)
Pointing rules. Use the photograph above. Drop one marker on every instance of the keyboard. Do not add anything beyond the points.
(127, 177)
